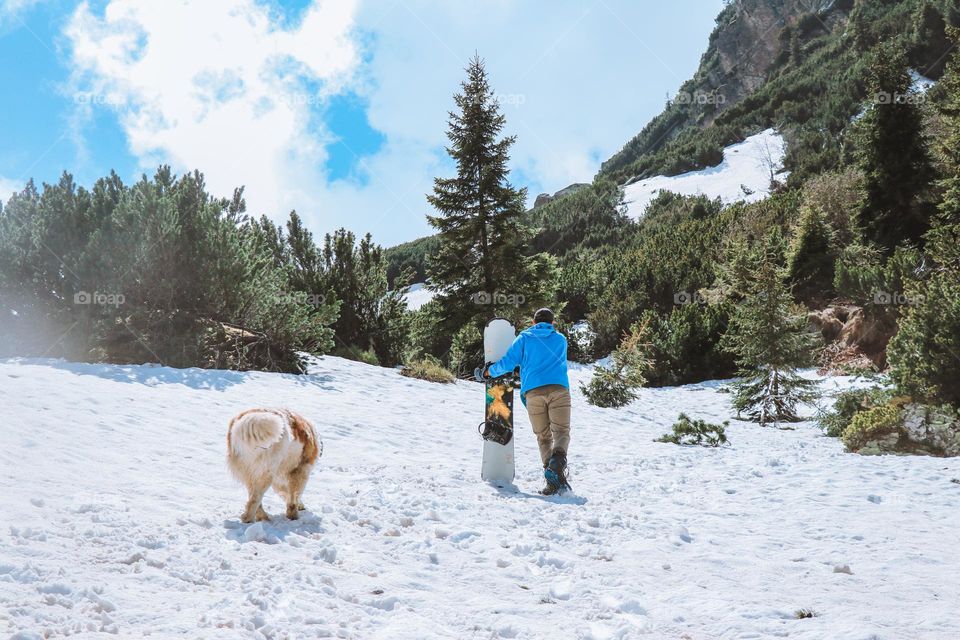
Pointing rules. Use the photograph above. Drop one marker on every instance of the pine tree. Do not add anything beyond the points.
(893, 154)
(371, 317)
(616, 385)
(925, 353)
(810, 258)
(770, 341)
(481, 257)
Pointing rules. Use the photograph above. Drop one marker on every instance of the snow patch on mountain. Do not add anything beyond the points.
(744, 174)
(920, 83)
(118, 516)
(418, 295)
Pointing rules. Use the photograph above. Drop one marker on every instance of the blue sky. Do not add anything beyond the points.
(336, 109)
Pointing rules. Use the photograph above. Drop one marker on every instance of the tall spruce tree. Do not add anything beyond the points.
(481, 264)
(925, 352)
(893, 154)
(769, 339)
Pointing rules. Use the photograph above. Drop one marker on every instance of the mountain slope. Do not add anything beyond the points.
(796, 65)
(120, 518)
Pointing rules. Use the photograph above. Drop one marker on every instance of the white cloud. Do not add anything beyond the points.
(219, 86)
(13, 9)
(8, 187)
(577, 80)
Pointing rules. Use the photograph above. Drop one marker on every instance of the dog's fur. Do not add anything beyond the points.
(272, 447)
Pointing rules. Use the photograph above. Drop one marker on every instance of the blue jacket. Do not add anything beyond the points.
(541, 353)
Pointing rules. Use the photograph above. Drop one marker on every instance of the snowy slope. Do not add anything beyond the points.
(118, 516)
(745, 164)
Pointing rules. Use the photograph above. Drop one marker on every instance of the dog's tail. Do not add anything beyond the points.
(257, 430)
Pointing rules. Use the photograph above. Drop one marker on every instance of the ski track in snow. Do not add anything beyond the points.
(119, 518)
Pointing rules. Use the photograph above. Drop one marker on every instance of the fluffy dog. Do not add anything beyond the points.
(272, 447)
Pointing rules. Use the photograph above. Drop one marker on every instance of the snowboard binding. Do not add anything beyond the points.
(495, 432)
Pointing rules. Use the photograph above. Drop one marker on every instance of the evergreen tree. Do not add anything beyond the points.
(158, 271)
(481, 256)
(371, 317)
(769, 339)
(372, 323)
(893, 154)
(925, 353)
(810, 258)
(616, 385)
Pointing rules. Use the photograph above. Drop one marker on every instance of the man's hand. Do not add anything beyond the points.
(482, 374)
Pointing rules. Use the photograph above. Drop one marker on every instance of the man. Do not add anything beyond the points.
(541, 354)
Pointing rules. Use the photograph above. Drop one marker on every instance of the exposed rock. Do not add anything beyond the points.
(923, 429)
(573, 188)
(854, 339)
(542, 199)
(934, 427)
(828, 321)
(885, 444)
(747, 45)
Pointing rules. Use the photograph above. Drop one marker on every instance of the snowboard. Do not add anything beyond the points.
(497, 428)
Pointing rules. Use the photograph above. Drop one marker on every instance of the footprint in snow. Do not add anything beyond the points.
(681, 535)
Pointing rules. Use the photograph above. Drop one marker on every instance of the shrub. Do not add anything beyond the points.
(616, 385)
(580, 339)
(696, 432)
(608, 389)
(873, 424)
(685, 345)
(357, 354)
(838, 198)
(428, 368)
(848, 404)
(466, 351)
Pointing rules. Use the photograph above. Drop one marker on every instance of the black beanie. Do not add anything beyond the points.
(543, 315)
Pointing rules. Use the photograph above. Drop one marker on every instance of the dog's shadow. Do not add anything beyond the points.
(277, 529)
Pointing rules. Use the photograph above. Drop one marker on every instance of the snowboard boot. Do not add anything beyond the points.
(555, 474)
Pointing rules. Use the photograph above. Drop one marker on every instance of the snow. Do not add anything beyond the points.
(921, 83)
(749, 164)
(418, 295)
(119, 517)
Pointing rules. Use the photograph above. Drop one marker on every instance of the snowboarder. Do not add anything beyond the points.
(541, 354)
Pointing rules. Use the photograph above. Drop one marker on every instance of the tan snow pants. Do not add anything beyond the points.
(549, 411)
